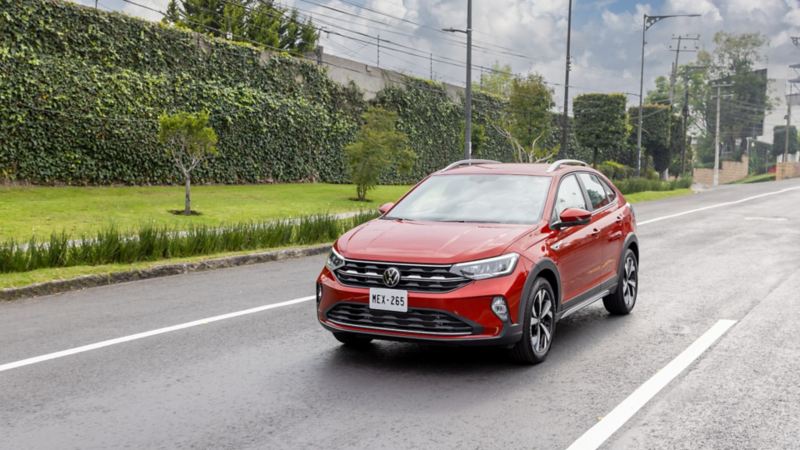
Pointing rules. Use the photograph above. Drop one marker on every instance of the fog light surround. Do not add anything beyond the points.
(500, 308)
(319, 293)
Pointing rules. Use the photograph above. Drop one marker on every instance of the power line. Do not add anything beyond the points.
(314, 15)
(403, 19)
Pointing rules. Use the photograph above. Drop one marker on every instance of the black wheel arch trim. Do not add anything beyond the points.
(544, 263)
(630, 239)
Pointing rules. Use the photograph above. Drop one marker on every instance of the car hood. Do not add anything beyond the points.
(427, 242)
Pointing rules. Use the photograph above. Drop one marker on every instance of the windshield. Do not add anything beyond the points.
(517, 199)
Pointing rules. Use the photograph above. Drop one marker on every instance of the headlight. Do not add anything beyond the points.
(487, 268)
(335, 260)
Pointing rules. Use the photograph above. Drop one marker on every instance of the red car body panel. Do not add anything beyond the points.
(584, 258)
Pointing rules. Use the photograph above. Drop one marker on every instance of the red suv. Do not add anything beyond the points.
(484, 253)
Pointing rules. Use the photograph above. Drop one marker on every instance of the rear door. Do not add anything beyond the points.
(605, 229)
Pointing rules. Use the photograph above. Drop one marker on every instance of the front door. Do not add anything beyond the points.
(571, 245)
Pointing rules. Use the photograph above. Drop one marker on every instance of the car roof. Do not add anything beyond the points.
(510, 169)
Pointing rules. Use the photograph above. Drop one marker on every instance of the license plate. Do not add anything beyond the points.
(388, 299)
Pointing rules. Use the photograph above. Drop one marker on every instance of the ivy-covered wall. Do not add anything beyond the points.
(81, 90)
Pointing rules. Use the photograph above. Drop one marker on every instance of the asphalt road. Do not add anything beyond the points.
(275, 379)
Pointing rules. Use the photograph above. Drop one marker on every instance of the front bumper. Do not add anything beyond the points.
(470, 303)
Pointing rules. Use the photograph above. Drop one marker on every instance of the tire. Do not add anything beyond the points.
(622, 301)
(539, 325)
(352, 340)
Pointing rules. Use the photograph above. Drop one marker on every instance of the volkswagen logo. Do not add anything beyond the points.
(391, 277)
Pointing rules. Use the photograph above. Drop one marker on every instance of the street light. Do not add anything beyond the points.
(647, 22)
(468, 100)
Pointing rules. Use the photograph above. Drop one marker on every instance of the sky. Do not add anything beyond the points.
(530, 35)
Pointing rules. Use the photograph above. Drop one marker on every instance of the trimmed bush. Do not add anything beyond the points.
(633, 185)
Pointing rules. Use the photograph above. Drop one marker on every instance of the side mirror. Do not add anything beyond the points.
(571, 217)
(384, 208)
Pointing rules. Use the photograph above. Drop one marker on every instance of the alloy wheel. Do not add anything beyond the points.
(629, 281)
(542, 321)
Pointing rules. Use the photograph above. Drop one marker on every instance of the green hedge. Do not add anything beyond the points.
(633, 185)
(81, 89)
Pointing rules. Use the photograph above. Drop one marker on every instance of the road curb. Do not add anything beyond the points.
(87, 281)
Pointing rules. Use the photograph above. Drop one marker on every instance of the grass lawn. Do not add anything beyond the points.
(44, 209)
(39, 211)
(647, 196)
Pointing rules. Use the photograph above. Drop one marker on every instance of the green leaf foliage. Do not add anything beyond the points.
(655, 133)
(528, 109)
(601, 124)
(253, 21)
(779, 139)
(81, 91)
(187, 136)
(378, 147)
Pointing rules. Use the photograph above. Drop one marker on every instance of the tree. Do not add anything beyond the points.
(527, 120)
(497, 82)
(261, 21)
(601, 124)
(378, 147)
(655, 134)
(779, 139)
(732, 62)
(173, 14)
(189, 141)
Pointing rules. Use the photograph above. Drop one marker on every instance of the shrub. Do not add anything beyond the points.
(150, 242)
(615, 170)
(378, 147)
(633, 185)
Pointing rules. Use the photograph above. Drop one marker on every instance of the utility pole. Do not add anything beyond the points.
(647, 22)
(379, 51)
(684, 121)
(716, 134)
(672, 79)
(468, 99)
(468, 125)
(678, 49)
(431, 64)
(788, 124)
(563, 151)
(789, 99)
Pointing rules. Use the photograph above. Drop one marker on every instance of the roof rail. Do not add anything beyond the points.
(565, 162)
(469, 162)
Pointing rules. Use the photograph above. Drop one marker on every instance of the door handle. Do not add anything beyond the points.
(595, 231)
(619, 218)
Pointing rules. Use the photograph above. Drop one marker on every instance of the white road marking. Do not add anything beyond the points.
(133, 337)
(767, 219)
(602, 430)
(718, 205)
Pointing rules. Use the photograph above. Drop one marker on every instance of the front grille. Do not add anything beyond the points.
(412, 277)
(414, 321)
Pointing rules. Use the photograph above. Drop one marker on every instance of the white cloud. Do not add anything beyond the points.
(605, 48)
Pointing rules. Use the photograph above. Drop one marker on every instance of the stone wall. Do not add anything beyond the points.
(729, 171)
(787, 170)
(370, 79)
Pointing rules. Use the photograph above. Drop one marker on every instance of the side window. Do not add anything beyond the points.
(595, 190)
(569, 196)
(610, 193)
